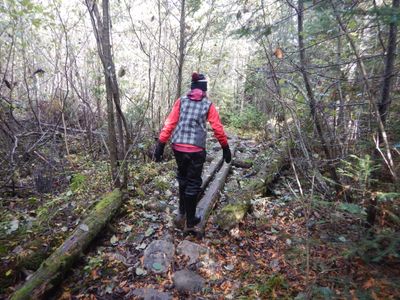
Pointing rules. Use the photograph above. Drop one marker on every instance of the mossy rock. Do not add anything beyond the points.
(232, 214)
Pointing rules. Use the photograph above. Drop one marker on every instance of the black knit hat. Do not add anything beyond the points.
(199, 81)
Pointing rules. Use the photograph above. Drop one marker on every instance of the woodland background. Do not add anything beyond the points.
(86, 85)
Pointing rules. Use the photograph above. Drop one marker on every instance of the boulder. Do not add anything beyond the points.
(191, 250)
(158, 256)
(188, 281)
(150, 294)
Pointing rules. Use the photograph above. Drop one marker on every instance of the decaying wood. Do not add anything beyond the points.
(210, 197)
(52, 269)
(233, 213)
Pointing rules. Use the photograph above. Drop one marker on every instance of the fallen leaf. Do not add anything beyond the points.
(149, 232)
(127, 228)
(65, 296)
(84, 227)
(94, 274)
(369, 283)
(14, 224)
(229, 267)
(114, 240)
(140, 271)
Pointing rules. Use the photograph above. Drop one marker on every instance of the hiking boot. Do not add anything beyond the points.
(192, 225)
(191, 219)
(179, 221)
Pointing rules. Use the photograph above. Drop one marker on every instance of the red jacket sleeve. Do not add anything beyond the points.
(170, 123)
(216, 125)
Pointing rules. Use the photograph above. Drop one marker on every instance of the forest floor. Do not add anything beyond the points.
(275, 252)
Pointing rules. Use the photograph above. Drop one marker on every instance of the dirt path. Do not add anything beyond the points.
(143, 254)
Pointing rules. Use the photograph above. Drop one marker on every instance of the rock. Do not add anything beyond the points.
(156, 205)
(191, 250)
(158, 256)
(134, 238)
(149, 294)
(274, 264)
(188, 281)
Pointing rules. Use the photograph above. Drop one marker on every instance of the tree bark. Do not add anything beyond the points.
(52, 269)
(389, 66)
(181, 58)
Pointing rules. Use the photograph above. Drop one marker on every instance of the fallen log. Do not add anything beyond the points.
(233, 213)
(211, 195)
(211, 170)
(52, 269)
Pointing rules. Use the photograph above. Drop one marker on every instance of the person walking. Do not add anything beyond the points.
(186, 123)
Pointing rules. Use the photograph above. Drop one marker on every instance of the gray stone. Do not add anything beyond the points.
(158, 256)
(156, 205)
(150, 294)
(191, 250)
(188, 281)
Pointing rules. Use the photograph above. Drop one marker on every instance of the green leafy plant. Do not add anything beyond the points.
(265, 287)
(359, 171)
(77, 182)
(375, 249)
(94, 262)
(250, 118)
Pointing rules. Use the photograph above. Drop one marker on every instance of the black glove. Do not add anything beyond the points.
(159, 151)
(227, 154)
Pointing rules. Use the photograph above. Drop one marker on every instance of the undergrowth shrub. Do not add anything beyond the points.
(250, 118)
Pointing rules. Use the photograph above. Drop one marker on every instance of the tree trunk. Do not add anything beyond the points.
(181, 58)
(311, 97)
(389, 65)
(52, 269)
(380, 128)
(118, 147)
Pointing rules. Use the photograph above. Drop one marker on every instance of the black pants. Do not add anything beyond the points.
(190, 168)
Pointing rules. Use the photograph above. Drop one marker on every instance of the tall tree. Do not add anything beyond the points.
(118, 147)
(311, 96)
(389, 65)
(182, 46)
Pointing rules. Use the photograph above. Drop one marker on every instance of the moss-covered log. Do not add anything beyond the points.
(52, 269)
(231, 214)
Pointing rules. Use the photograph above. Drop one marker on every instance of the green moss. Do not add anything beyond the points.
(60, 261)
(108, 199)
(3, 249)
(232, 214)
(248, 161)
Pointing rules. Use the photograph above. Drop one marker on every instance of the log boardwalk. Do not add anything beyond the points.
(211, 195)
